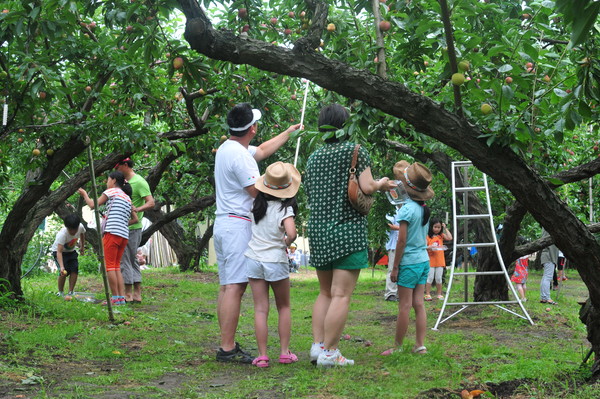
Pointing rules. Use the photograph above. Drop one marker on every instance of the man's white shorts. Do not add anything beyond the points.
(267, 271)
(231, 236)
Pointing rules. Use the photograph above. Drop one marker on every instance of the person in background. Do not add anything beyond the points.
(391, 289)
(519, 276)
(64, 252)
(141, 200)
(115, 232)
(437, 234)
(548, 259)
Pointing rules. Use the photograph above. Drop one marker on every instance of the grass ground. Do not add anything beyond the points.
(165, 347)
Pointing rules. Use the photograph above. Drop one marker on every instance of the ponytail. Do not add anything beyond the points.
(426, 212)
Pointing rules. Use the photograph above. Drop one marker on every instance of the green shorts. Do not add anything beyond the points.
(410, 276)
(354, 261)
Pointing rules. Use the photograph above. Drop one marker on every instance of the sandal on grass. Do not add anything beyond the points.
(428, 297)
(261, 361)
(391, 351)
(421, 350)
(549, 302)
(289, 358)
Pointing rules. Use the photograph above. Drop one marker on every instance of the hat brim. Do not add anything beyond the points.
(256, 115)
(415, 195)
(287, 192)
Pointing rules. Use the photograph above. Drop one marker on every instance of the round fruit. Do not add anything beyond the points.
(36, 152)
(331, 27)
(287, 31)
(508, 80)
(201, 92)
(223, 139)
(49, 152)
(178, 63)
(68, 297)
(384, 26)
(42, 95)
(458, 79)
(486, 109)
(464, 65)
(88, 88)
(294, 97)
(242, 13)
(291, 14)
(273, 21)
(20, 140)
(547, 79)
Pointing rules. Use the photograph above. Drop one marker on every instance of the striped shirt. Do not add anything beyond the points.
(119, 211)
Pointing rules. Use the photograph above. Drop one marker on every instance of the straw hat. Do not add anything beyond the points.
(416, 179)
(281, 180)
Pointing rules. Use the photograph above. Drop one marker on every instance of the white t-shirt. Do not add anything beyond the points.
(267, 243)
(235, 169)
(68, 241)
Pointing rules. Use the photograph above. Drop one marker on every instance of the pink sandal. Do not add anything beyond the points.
(261, 361)
(289, 358)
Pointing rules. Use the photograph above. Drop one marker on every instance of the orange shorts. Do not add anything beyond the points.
(114, 246)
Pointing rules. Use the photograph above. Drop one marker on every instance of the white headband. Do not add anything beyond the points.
(256, 115)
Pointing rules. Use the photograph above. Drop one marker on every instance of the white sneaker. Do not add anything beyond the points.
(335, 359)
(315, 351)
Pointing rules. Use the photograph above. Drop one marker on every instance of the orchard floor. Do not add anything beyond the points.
(165, 347)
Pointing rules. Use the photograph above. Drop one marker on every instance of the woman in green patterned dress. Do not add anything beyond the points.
(337, 233)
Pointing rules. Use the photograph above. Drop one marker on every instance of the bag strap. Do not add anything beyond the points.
(354, 159)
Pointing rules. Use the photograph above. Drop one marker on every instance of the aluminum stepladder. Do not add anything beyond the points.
(463, 166)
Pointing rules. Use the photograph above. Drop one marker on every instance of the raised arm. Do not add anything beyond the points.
(269, 147)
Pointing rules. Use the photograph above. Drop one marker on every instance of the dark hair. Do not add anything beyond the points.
(239, 116)
(127, 162)
(426, 212)
(259, 209)
(72, 221)
(431, 223)
(332, 115)
(127, 189)
(119, 177)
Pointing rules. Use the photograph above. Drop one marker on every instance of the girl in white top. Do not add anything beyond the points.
(273, 230)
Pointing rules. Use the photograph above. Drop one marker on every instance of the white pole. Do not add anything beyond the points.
(301, 121)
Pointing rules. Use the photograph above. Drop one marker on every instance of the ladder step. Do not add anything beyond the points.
(461, 163)
(480, 216)
(496, 272)
(480, 303)
(476, 244)
(474, 188)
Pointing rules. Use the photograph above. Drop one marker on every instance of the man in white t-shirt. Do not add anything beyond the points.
(64, 253)
(236, 171)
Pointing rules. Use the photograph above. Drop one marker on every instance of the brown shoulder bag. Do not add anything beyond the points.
(360, 201)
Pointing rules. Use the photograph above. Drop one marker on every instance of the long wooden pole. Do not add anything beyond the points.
(111, 315)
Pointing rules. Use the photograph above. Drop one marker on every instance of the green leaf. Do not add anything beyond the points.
(583, 22)
(505, 68)
(560, 92)
(507, 92)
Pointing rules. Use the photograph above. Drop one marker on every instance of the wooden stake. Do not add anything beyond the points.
(111, 315)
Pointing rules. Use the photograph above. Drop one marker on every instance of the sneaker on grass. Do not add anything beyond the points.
(333, 359)
(236, 355)
(315, 351)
